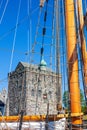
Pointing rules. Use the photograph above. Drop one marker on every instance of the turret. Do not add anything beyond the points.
(42, 65)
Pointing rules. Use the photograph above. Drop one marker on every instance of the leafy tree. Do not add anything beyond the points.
(83, 103)
(82, 98)
(66, 98)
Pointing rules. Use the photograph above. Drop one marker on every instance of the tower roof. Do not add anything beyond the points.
(43, 63)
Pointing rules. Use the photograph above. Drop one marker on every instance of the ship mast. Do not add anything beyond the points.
(72, 63)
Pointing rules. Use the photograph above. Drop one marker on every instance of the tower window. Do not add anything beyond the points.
(16, 83)
(20, 88)
(45, 97)
(36, 77)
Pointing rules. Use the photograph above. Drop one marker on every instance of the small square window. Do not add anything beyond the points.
(45, 96)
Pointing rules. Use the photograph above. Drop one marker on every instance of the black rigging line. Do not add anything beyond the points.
(85, 14)
(42, 48)
(44, 29)
(46, 125)
(21, 119)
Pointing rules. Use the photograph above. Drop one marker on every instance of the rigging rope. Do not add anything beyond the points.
(4, 11)
(12, 29)
(57, 35)
(29, 29)
(33, 46)
(14, 36)
(53, 32)
(19, 23)
(64, 54)
(44, 31)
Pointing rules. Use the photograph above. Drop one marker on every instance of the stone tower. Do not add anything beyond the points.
(31, 88)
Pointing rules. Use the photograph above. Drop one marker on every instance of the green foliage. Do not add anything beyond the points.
(84, 109)
(66, 98)
(83, 103)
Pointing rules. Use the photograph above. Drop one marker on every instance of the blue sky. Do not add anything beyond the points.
(8, 19)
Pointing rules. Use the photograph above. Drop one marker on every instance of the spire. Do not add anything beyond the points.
(43, 64)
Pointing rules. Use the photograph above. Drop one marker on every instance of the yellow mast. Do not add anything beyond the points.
(72, 61)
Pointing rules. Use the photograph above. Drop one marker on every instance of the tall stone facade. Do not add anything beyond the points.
(31, 89)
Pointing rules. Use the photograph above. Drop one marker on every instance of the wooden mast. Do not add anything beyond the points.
(72, 61)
